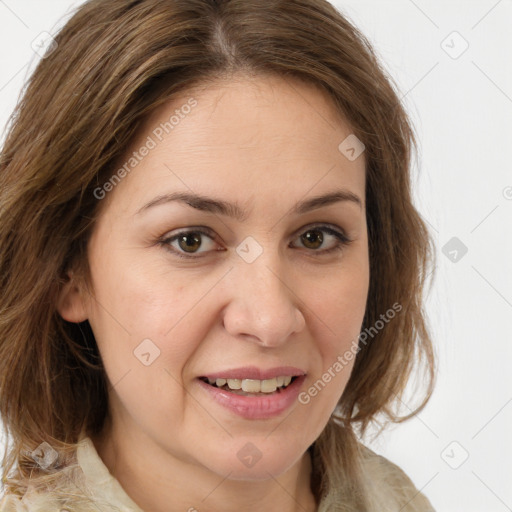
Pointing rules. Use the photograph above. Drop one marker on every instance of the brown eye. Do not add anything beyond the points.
(189, 242)
(322, 240)
(192, 242)
(312, 239)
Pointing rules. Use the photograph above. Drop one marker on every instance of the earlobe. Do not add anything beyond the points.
(70, 303)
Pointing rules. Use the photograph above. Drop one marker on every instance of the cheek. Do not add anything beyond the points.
(133, 305)
(336, 310)
(338, 319)
(147, 330)
(339, 307)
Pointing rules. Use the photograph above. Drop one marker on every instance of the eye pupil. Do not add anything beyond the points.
(313, 239)
(190, 241)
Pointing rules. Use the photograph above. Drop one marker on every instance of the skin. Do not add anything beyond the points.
(265, 144)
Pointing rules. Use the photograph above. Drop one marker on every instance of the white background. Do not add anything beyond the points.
(462, 110)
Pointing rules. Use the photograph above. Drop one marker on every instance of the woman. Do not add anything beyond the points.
(212, 269)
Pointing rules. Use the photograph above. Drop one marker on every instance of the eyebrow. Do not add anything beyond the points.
(217, 206)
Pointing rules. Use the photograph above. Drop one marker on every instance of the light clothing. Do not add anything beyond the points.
(392, 490)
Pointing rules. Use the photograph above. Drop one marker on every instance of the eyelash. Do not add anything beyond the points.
(342, 242)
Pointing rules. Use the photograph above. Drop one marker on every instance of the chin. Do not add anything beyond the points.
(257, 459)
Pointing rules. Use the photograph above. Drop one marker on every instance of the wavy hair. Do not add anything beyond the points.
(114, 63)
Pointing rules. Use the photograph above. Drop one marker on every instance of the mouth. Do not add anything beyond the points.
(252, 387)
(253, 393)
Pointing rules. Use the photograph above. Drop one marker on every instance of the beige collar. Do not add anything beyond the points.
(98, 478)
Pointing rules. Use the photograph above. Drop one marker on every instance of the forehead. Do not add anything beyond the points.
(241, 136)
(243, 111)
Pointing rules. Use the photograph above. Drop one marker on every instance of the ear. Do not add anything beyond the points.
(71, 303)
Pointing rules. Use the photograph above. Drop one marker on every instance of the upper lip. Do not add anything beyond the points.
(255, 373)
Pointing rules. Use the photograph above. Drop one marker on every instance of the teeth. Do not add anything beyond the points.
(269, 385)
(234, 384)
(253, 385)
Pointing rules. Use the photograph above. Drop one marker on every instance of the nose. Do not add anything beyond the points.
(263, 305)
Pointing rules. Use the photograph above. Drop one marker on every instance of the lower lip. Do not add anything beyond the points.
(256, 407)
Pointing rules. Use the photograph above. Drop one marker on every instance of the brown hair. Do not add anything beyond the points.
(116, 61)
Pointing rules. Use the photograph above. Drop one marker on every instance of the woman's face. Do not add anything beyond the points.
(244, 278)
